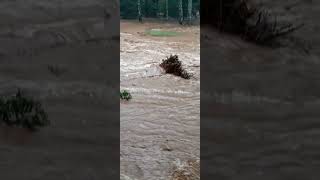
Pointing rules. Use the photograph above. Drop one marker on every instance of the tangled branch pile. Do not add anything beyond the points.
(21, 111)
(172, 65)
(241, 17)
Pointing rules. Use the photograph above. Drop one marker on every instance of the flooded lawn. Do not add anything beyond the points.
(160, 126)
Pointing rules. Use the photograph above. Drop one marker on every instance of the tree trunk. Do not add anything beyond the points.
(167, 9)
(180, 12)
(190, 11)
(139, 10)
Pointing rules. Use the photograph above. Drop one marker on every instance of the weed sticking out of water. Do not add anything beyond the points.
(125, 95)
(172, 65)
(22, 111)
(161, 33)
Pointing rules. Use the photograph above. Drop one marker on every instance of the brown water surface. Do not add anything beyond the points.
(160, 126)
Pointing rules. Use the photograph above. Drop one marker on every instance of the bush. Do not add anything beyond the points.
(172, 65)
(125, 95)
(22, 111)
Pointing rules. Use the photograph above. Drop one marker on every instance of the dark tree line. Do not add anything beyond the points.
(182, 10)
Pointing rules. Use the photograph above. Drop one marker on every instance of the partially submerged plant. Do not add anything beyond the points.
(172, 65)
(125, 95)
(22, 111)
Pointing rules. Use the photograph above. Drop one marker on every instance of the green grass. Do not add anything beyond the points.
(161, 33)
(125, 95)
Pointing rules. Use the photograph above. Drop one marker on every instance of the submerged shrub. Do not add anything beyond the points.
(22, 111)
(125, 95)
(172, 65)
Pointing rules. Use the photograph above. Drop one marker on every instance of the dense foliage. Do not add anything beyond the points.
(125, 95)
(172, 65)
(156, 8)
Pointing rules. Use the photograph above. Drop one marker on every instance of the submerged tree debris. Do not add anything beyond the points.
(22, 111)
(172, 65)
(244, 18)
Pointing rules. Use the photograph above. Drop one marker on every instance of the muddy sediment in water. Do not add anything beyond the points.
(260, 113)
(56, 51)
(160, 126)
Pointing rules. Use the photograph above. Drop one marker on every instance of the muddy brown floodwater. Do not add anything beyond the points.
(71, 37)
(160, 126)
(260, 111)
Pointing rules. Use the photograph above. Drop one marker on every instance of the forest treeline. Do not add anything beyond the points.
(182, 10)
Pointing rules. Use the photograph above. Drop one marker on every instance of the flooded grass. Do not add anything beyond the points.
(161, 33)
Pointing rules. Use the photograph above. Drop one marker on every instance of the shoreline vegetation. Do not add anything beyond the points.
(182, 11)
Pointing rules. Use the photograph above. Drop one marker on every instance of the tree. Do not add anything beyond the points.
(135, 9)
(190, 11)
(139, 10)
(167, 10)
(180, 7)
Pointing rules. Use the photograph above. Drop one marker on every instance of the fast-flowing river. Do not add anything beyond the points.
(160, 126)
